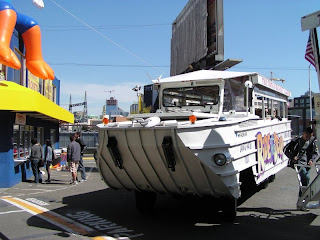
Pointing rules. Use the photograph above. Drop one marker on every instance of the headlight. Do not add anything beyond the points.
(219, 159)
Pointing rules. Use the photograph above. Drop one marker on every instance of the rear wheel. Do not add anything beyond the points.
(229, 209)
(272, 178)
(264, 184)
(145, 201)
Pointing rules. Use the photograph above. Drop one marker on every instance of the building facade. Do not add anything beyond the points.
(29, 108)
(112, 108)
(299, 112)
(111, 105)
(150, 97)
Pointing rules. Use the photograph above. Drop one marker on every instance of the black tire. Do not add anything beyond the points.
(272, 178)
(145, 201)
(264, 184)
(229, 209)
(95, 155)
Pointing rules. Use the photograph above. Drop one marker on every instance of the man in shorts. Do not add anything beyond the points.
(74, 154)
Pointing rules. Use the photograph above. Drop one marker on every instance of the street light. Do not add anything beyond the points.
(276, 79)
(136, 89)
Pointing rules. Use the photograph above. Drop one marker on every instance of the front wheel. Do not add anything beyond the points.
(229, 209)
(145, 201)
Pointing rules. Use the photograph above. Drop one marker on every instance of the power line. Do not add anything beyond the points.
(105, 37)
(81, 28)
(277, 68)
(107, 65)
(166, 66)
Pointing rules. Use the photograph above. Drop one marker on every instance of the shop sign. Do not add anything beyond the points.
(21, 119)
(316, 97)
(33, 82)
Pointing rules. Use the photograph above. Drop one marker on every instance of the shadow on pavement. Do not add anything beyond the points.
(112, 213)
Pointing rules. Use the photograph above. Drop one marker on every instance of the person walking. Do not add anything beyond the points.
(81, 167)
(35, 158)
(302, 151)
(48, 158)
(73, 153)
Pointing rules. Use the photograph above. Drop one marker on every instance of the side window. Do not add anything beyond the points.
(234, 95)
(17, 73)
(2, 72)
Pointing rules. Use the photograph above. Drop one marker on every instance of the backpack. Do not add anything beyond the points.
(288, 150)
(291, 151)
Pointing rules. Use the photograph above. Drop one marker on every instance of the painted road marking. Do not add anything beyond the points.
(72, 226)
(49, 216)
(1, 213)
(37, 201)
(102, 224)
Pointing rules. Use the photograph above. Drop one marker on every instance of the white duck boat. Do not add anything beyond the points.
(211, 130)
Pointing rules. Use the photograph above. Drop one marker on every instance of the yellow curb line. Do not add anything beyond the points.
(54, 218)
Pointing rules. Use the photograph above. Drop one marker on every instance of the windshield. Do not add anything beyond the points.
(190, 96)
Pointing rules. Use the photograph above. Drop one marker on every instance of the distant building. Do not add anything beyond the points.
(300, 113)
(134, 108)
(119, 112)
(113, 109)
(92, 116)
(111, 105)
(150, 97)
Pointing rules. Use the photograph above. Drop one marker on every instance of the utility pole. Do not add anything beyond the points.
(136, 89)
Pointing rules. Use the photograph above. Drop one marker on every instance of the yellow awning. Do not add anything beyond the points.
(14, 97)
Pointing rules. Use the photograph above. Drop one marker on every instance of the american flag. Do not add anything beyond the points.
(309, 52)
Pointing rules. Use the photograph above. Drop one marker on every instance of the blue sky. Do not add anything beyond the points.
(130, 36)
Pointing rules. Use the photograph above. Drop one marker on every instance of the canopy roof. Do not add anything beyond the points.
(17, 98)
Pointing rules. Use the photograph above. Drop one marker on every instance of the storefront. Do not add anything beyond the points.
(25, 114)
(29, 108)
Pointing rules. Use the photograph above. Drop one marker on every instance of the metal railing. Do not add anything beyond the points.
(89, 138)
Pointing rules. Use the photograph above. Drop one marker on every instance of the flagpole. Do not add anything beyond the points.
(310, 97)
(315, 48)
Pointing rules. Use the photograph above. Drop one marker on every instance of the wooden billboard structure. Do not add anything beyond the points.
(197, 37)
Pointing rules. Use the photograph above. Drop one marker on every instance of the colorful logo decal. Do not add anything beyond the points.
(269, 151)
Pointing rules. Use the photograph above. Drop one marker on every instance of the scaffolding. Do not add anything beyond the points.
(80, 117)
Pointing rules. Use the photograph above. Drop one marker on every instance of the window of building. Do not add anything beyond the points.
(17, 73)
(22, 141)
(41, 83)
(53, 137)
(54, 94)
(16, 141)
(302, 100)
(2, 72)
(40, 135)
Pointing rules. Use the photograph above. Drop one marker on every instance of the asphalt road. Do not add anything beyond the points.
(90, 210)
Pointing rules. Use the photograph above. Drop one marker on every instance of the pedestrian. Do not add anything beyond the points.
(36, 158)
(81, 167)
(63, 159)
(303, 150)
(48, 158)
(73, 153)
